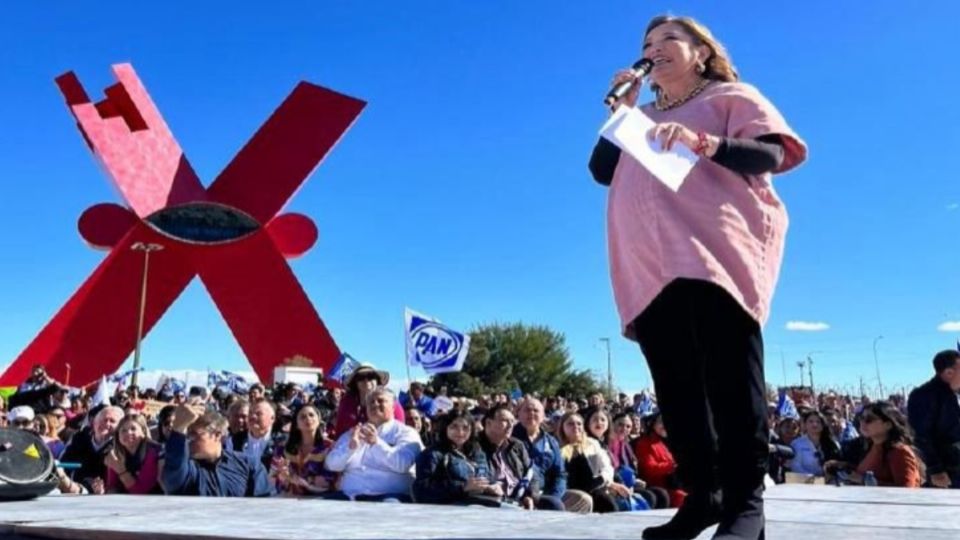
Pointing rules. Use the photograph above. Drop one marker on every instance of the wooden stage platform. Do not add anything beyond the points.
(793, 512)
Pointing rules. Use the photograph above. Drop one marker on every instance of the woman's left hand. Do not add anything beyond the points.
(670, 133)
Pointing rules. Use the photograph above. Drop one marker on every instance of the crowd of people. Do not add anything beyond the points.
(360, 441)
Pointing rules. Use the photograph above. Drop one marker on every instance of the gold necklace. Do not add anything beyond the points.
(680, 101)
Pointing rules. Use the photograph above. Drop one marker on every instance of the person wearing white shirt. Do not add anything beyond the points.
(376, 458)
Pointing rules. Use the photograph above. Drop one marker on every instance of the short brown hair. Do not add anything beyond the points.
(212, 422)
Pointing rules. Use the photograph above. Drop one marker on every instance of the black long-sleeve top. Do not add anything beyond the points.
(744, 156)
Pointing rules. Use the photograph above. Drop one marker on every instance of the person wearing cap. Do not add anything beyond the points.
(359, 384)
(21, 417)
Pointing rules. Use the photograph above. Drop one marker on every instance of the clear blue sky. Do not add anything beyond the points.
(462, 191)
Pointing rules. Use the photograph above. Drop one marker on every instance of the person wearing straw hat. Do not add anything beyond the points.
(359, 384)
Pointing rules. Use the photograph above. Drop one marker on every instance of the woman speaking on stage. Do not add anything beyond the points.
(694, 271)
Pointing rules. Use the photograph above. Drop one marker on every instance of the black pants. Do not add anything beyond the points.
(706, 357)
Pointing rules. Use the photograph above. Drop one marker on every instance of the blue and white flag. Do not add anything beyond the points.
(235, 382)
(433, 346)
(786, 407)
(644, 407)
(121, 378)
(102, 395)
(345, 365)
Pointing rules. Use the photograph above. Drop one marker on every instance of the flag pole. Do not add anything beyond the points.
(406, 348)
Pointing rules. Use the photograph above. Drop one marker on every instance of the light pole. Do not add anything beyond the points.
(810, 366)
(876, 363)
(606, 341)
(800, 365)
(146, 248)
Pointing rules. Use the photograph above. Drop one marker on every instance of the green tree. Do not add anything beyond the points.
(507, 357)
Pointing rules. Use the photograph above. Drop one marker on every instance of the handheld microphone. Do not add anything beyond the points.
(640, 69)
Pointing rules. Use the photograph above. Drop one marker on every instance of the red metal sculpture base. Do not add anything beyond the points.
(230, 234)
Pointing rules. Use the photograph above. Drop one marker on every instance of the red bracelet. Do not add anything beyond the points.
(701, 144)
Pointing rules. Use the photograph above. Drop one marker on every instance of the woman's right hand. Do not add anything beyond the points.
(620, 489)
(630, 98)
(476, 484)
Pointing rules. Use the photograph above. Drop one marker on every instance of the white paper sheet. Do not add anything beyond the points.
(627, 128)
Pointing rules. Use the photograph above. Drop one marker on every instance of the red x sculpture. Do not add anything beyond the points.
(231, 234)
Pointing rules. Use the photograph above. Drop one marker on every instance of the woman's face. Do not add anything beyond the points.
(673, 52)
(131, 435)
(622, 428)
(813, 426)
(637, 426)
(459, 432)
(659, 428)
(573, 429)
(366, 383)
(598, 425)
(166, 426)
(873, 427)
(789, 430)
(308, 420)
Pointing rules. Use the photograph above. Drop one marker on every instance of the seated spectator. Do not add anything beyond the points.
(655, 462)
(788, 429)
(376, 458)
(196, 462)
(625, 465)
(415, 419)
(815, 447)
(133, 464)
(76, 410)
(841, 430)
(298, 466)
(238, 413)
(510, 465)
(89, 447)
(46, 428)
(22, 417)
(258, 440)
(57, 416)
(454, 470)
(161, 432)
(352, 409)
(780, 454)
(418, 400)
(890, 455)
(588, 465)
(544, 451)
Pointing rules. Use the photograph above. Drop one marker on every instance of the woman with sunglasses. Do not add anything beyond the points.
(890, 455)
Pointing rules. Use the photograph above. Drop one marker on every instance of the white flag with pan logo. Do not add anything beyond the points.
(432, 345)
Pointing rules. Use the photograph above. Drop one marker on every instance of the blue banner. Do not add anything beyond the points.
(345, 365)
